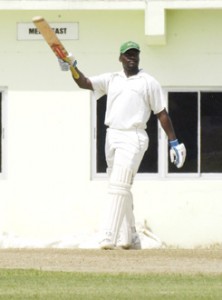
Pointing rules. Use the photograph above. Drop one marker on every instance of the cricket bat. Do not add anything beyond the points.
(53, 41)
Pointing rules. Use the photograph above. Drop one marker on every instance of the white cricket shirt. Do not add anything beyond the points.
(130, 100)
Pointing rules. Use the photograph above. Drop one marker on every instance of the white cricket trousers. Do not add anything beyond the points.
(125, 148)
(124, 151)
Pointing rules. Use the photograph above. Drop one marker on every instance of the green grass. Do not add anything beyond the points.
(37, 284)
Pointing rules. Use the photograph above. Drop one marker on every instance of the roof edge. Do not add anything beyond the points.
(69, 4)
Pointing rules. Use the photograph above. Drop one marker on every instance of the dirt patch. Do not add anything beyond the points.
(116, 261)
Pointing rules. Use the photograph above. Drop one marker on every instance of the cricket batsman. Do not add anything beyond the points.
(131, 96)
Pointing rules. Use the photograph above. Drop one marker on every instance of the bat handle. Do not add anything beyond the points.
(75, 74)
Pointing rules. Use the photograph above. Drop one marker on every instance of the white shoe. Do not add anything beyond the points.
(134, 245)
(106, 244)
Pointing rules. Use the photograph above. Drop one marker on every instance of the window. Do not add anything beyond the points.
(183, 110)
(197, 119)
(100, 134)
(211, 132)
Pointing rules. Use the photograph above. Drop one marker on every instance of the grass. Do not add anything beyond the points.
(36, 284)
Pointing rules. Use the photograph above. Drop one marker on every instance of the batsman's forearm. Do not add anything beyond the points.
(82, 81)
(168, 128)
(167, 125)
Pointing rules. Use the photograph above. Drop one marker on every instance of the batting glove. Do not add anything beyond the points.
(177, 153)
(69, 61)
(64, 66)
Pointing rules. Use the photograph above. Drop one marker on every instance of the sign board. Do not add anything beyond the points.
(64, 31)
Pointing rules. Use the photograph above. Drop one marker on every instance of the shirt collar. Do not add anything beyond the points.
(122, 74)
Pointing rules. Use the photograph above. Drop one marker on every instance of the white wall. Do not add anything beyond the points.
(48, 191)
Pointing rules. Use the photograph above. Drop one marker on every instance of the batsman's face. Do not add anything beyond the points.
(130, 60)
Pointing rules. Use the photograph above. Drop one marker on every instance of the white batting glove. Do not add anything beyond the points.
(65, 65)
(177, 153)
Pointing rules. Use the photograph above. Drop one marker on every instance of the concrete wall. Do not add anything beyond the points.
(48, 190)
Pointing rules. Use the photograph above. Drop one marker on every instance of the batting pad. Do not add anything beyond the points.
(118, 196)
(128, 225)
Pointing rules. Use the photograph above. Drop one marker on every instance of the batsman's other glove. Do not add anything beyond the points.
(65, 65)
(177, 153)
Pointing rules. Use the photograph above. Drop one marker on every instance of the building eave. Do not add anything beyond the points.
(75, 5)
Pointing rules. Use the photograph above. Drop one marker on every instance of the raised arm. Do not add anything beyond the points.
(82, 81)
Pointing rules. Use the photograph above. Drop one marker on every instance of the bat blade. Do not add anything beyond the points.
(53, 41)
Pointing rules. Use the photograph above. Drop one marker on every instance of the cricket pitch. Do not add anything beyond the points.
(183, 261)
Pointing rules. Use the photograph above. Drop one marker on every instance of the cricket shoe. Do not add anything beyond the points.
(134, 245)
(106, 243)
